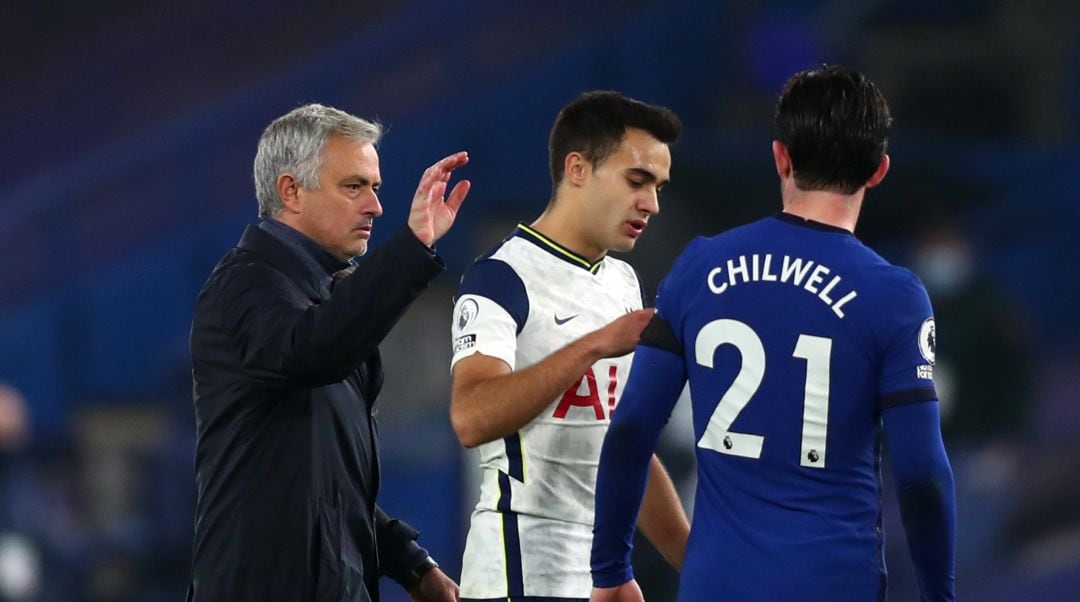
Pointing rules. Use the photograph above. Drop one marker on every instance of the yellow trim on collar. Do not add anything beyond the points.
(592, 267)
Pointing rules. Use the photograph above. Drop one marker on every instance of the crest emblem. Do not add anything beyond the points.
(928, 341)
(468, 311)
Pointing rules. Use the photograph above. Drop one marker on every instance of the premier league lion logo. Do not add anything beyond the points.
(469, 309)
(928, 341)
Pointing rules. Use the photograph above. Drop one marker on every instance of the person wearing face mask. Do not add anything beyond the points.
(984, 373)
(542, 333)
(983, 366)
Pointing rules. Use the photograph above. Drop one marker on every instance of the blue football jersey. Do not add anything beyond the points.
(795, 337)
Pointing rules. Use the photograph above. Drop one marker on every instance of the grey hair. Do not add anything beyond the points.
(294, 142)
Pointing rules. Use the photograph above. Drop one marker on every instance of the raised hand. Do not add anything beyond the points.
(431, 215)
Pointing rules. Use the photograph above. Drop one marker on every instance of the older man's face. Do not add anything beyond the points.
(339, 215)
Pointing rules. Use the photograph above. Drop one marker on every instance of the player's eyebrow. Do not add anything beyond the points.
(361, 180)
(647, 175)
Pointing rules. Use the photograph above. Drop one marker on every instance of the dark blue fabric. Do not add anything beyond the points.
(286, 378)
(924, 484)
(318, 261)
(497, 281)
(515, 463)
(515, 581)
(900, 398)
(804, 332)
(656, 379)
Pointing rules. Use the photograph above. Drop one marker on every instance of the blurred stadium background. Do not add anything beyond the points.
(129, 130)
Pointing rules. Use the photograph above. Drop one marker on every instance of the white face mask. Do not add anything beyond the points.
(943, 269)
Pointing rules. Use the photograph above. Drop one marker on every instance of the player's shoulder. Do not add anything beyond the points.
(241, 270)
(896, 296)
(500, 257)
(907, 288)
(493, 274)
(706, 248)
(735, 235)
(894, 280)
(519, 254)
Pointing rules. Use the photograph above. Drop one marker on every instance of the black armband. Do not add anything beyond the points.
(658, 334)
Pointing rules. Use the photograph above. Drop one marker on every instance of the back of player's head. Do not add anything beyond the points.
(835, 124)
(594, 124)
(294, 143)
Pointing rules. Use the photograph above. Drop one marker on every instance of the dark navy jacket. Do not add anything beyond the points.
(285, 381)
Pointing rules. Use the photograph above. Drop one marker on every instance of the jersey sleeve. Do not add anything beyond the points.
(490, 310)
(656, 380)
(910, 342)
(926, 491)
(657, 377)
(669, 305)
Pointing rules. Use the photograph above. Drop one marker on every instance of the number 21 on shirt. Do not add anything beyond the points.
(718, 434)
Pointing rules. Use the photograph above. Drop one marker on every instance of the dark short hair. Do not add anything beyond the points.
(595, 123)
(835, 124)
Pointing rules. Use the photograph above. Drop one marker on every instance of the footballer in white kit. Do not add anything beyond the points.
(523, 301)
(543, 332)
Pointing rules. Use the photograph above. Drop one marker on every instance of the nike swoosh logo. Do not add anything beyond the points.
(564, 320)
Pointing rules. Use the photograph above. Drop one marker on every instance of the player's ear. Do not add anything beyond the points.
(575, 168)
(288, 190)
(879, 174)
(782, 159)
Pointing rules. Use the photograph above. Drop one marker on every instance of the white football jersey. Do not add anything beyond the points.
(531, 532)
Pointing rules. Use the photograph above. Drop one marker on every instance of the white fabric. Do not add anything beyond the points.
(554, 503)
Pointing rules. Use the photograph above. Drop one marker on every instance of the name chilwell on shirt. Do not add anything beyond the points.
(803, 273)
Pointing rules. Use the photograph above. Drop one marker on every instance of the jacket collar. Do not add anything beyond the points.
(297, 261)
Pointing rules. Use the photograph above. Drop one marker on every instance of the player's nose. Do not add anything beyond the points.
(649, 203)
(373, 206)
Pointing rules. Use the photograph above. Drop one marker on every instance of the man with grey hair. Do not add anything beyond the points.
(286, 368)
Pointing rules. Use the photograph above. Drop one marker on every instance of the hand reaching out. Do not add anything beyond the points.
(622, 335)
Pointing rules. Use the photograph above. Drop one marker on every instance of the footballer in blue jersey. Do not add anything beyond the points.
(803, 349)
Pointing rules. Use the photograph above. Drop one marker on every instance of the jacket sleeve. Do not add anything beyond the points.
(283, 340)
(398, 551)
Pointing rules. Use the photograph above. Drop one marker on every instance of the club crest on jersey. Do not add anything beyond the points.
(469, 310)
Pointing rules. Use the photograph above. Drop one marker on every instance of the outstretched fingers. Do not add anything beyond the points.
(451, 162)
(457, 195)
(436, 192)
(440, 172)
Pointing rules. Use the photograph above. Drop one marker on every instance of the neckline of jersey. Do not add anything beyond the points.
(809, 223)
(556, 249)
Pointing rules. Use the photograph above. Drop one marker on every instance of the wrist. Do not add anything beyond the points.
(591, 347)
(416, 574)
(422, 234)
